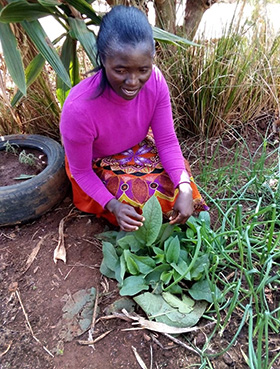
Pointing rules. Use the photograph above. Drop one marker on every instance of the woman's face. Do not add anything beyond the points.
(128, 69)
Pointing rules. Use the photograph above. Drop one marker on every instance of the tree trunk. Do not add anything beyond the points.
(165, 14)
(193, 14)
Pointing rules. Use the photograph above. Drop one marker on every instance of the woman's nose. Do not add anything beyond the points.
(132, 80)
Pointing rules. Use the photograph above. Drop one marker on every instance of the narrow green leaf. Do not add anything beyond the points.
(12, 56)
(70, 61)
(31, 73)
(85, 36)
(20, 10)
(49, 3)
(83, 7)
(133, 285)
(164, 36)
(40, 39)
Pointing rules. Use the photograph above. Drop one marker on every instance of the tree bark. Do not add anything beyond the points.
(166, 14)
(193, 14)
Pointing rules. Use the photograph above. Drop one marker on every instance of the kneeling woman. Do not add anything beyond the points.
(118, 133)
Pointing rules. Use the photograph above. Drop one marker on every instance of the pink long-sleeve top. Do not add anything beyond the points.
(94, 128)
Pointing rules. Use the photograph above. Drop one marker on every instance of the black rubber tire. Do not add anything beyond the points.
(32, 198)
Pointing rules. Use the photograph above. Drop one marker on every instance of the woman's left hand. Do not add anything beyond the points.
(183, 207)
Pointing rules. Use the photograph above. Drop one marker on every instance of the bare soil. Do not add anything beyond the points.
(32, 297)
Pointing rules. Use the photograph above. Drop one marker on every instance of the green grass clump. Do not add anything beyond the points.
(244, 197)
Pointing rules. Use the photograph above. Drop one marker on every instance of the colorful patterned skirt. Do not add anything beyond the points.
(133, 176)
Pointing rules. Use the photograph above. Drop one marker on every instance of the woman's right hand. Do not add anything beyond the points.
(127, 217)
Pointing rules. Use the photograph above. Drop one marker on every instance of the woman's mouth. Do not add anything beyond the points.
(130, 93)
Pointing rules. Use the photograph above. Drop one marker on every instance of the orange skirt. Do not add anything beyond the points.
(133, 176)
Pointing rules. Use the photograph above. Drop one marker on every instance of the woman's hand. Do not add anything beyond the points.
(127, 217)
(183, 207)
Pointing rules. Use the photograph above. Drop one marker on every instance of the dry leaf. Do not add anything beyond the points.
(60, 251)
(157, 326)
(34, 253)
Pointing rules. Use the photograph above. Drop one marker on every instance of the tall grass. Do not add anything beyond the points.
(224, 82)
(244, 197)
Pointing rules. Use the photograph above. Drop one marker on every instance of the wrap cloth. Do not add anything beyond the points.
(133, 176)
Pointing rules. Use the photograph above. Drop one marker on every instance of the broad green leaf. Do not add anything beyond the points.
(157, 308)
(198, 270)
(120, 270)
(173, 251)
(201, 291)
(12, 56)
(18, 11)
(31, 73)
(133, 285)
(204, 215)
(154, 276)
(180, 268)
(37, 34)
(131, 265)
(145, 264)
(190, 233)
(83, 7)
(153, 220)
(164, 36)
(106, 271)
(166, 231)
(130, 242)
(110, 257)
(184, 306)
(85, 36)
(166, 276)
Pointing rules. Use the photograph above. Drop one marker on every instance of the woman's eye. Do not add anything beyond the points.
(120, 71)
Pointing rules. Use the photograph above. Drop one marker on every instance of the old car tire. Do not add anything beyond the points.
(32, 198)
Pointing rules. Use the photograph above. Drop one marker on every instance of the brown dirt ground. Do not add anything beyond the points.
(34, 298)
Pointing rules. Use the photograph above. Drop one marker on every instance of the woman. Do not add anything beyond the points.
(118, 133)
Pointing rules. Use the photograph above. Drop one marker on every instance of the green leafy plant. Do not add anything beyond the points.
(29, 159)
(164, 260)
(12, 148)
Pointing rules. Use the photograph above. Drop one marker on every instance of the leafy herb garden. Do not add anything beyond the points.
(179, 274)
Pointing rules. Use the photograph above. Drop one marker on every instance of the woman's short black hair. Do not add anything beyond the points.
(121, 26)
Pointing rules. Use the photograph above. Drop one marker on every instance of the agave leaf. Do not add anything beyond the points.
(164, 36)
(31, 73)
(12, 56)
(85, 36)
(20, 10)
(83, 7)
(40, 39)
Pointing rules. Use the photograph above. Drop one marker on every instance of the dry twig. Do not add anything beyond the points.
(28, 323)
(7, 349)
(86, 342)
